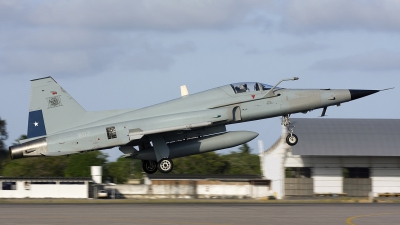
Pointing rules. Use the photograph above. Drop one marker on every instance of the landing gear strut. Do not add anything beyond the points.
(291, 139)
(165, 165)
(149, 167)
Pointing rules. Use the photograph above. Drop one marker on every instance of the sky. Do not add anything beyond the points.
(134, 53)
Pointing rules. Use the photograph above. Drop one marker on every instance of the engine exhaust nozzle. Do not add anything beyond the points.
(33, 148)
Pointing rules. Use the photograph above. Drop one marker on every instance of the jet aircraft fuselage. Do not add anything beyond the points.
(191, 124)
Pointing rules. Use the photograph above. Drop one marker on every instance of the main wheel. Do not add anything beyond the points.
(149, 167)
(292, 139)
(165, 165)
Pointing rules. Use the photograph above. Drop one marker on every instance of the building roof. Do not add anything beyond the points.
(347, 137)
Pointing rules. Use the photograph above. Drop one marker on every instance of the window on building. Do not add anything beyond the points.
(72, 182)
(356, 172)
(27, 185)
(111, 132)
(298, 172)
(43, 182)
(9, 185)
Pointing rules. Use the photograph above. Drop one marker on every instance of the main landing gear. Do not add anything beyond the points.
(149, 167)
(164, 166)
(291, 139)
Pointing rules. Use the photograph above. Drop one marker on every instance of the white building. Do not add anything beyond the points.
(350, 157)
(195, 186)
(18, 187)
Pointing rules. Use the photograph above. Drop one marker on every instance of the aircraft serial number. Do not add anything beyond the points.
(83, 134)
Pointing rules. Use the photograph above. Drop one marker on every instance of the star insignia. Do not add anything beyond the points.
(36, 124)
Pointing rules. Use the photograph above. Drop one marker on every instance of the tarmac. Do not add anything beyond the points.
(196, 212)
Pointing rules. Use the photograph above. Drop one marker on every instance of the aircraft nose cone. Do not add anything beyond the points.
(361, 93)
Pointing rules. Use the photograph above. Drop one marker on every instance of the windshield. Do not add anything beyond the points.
(266, 86)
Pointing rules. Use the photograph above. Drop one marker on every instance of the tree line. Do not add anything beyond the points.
(78, 165)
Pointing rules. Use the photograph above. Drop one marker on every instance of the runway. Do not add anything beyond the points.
(199, 214)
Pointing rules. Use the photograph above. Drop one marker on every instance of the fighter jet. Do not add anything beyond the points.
(191, 124)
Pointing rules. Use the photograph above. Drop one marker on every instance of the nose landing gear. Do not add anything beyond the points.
(291, 139)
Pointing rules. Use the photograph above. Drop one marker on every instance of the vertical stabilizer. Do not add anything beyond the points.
(51, 108)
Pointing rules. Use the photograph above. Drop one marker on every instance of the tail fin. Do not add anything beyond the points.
(51, 108)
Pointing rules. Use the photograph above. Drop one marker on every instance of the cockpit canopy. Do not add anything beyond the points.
(242, 87)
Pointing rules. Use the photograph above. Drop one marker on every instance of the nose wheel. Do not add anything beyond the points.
(165, 165)
(291, 139)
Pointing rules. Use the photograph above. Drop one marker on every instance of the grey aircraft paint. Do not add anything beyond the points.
(192, 124)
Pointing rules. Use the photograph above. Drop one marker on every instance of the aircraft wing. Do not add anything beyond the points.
(138, 133)
(172, 128)
(177, 123)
